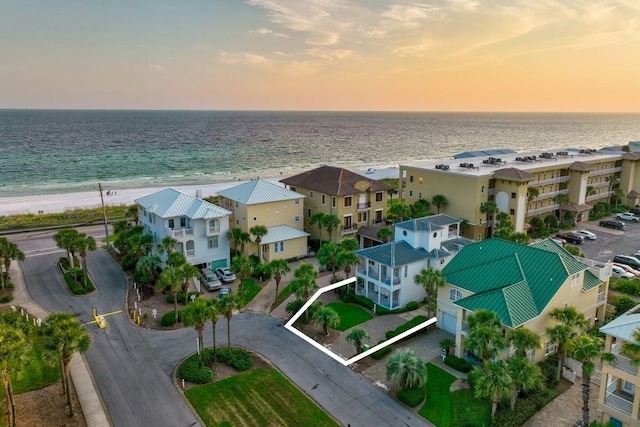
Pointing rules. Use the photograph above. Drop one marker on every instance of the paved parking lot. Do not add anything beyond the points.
(610, 242)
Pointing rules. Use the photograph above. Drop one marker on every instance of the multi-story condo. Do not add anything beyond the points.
(524, 185)
(199, 227)
(522, 284)
(260, 202)
(385, 273)
(355, 199)
(618, 402)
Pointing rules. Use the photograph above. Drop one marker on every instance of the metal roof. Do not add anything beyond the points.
(468, 154)
(171, 203)
(428, 223)
(624, 326)
(259, 191)
(394, 254)
(280, 233)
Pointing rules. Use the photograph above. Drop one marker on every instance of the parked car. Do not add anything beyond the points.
(558, 240)
(224, 291)
(225, 274)
(571, 238)
(635, 211)
(621, 273)
(628, 260)
(588, 235)
(629, 269)
(628, 216)
(210, 279)
(609, 223)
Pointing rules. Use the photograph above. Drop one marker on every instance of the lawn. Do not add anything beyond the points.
(251, 290)
(284, 294)
(350, 315)
(258, 398)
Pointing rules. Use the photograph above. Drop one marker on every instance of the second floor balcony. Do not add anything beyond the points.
(179, 233)
(623, 362)
(381, 276)
(350, 229)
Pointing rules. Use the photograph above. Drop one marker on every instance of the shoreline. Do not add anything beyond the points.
(61, 202)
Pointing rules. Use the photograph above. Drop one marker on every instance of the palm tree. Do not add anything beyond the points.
(121, 226)
(419, 209)
(132, 212)
(65, 239)
(149, 265)
(398, 211)
(8, 251)
(243, 268)
(384, 234)
(493, 382)
(279, 267)
(489, 208)
(63, 337)
(439, 201)
(85, 243)
(187, 272)
(171, 278)
(633, 347)
(586, 349)
(346, 259)
(326, 317)
(227, 306)
(569, 320)
(196, 314)
(259, 231)
(214, 315)
(484, 337)
(328, 256)
(561, 199)
(405, 369)
(235, 235)
(532, 193)
(317, 218)
(430, 279)
(612, 180)
(168, 245)
(305, 283)
(13, 360)
(356, 336)
(330, 221)
(446, 344)
(523, 339)
(525, 375)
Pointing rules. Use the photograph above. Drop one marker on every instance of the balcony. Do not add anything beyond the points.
(213, 230)
(543, 209)
(602, 297)
(549, 195)
(348, 230)
(557, 180)
(609, 171)
(624, 362)
(365, 205)
(620, 401)
(604, 195)
(191, 253)
(177, 234)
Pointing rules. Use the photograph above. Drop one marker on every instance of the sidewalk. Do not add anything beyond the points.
(94, 413)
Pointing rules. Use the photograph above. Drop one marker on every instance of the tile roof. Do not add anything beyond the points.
(394, 254)
(513, 174)
(624, 326)
(581, 166)
(280, 233)
(335, 181)
(259, 191)
(171, 203)
(507, 277)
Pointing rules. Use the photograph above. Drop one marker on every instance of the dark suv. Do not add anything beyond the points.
(609, 223)
(571, 238)
(629, 260)
(635, 211)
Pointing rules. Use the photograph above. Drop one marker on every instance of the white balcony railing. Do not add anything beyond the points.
(623, 362)
(191, 252)
(609, 171)
(543, 209)
(549, 195)
(557, 180)
(601, 297)
(183, 232)
(348, 230)
(213, 230)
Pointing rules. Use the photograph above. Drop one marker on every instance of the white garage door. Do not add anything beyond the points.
(449, 322)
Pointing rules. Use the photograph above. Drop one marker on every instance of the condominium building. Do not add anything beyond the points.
(524, 185)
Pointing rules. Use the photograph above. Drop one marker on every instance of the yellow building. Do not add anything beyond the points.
(356, 200)
(260, 202)
(524, 185)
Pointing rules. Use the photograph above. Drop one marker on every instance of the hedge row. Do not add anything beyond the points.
(192, 372)
(382, 352)
(76, 285)
(406, 326)
(412, 397)
(238, 358)
(458, 364)
(380, 310)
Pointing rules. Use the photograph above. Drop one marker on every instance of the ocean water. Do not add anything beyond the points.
(54, 151)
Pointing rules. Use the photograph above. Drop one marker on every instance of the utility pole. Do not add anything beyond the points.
(104, 214)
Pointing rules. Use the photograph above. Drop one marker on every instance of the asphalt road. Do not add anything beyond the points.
(133, 367)
(609, 242)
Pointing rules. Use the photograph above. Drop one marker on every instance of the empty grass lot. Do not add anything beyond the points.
(260, 397)
(251, 290)
(350, 315)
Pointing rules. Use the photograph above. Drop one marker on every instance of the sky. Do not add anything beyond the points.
(367, 55)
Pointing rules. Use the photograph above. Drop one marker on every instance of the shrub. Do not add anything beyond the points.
(631, 287)
(412, 397)
(7, 298)
(255, 260)
(294, 306)
(526, 407)
(548, 367)
(190, 371)
(169, 319)
(406, 326)
(622, 303)
(412, 305)
(76, 282)
(457, 363)
(364, 301)
(382, 352)
(238, 359)
(262, 271)
(129, 262)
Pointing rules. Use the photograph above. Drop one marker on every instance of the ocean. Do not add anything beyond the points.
(62, 151)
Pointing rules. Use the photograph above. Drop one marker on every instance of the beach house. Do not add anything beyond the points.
(199, 227)
(618, 401)
(522, 284)
(385, 273)
(355, 199)
(260, 202)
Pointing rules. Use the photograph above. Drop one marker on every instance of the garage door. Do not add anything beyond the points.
(449, 322)
(218, 263)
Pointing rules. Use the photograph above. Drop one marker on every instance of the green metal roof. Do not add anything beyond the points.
(516, 281)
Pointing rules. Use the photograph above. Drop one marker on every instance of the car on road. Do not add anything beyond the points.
(621, 273)
(210, 279)
(628, 216)
(225, 274)
(628, 269)
(629, 260)
(588, 235)
(571, 238)
(609, 223)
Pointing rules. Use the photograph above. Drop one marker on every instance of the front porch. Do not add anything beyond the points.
(381, 294)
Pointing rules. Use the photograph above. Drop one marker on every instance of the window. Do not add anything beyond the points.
(333, 201)
(512, 212)
(411, 178)
(183, 222)
(278, 247)
(296, 202)
(420, 180)
(531, 355)
(455, 295)
(296, 218)
(575, 280)
(323, 199)
(348, 201)
(214, 226)
(410, 193)
(309, 213)
(172, 223)
(482, 190)
(212, 242)
(379, 196)
(549, 348)
(362, 216)
(513, 195)
(420, 195)
(292, 188)
(406, 270)
(312, 194)
(236, 204)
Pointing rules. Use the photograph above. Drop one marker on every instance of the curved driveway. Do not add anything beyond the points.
(133, 367)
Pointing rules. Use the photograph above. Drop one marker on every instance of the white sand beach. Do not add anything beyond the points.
(51, 203)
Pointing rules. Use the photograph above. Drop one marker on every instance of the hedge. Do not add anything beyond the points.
(380, 310)
(190, 371)
(406, 326)
(457, 363)
(240, 359)
(76, 285)
(382, 352)
(526, 407)
(169, 319)
(412, 397)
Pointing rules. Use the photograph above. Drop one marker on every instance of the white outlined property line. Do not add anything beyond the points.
(345, 362)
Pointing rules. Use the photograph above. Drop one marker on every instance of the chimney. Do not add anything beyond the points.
(199, 193)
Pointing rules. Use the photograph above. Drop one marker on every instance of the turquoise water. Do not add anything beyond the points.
(53, 151)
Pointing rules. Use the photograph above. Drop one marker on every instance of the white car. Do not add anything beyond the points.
(620, 273)
(225, 274)
(588, 235)
(628, 269)
(628, 216)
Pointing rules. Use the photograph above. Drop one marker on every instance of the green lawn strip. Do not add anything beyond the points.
(350, 315)
(469, 411)
(438, 407)
(77, 216)
(257, 398)
(284, 294)
(251, 289)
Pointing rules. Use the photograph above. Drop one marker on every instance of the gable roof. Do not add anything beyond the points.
(259, 191)
(581, 166)
(513, 174)
(171, 203)
(624, 326)
(394, 254)
(334, 181)
(507, 277)
(280, 233)
(428, 223)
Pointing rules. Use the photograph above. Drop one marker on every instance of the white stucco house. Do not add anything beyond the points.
(199, 227)
(385, 272)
